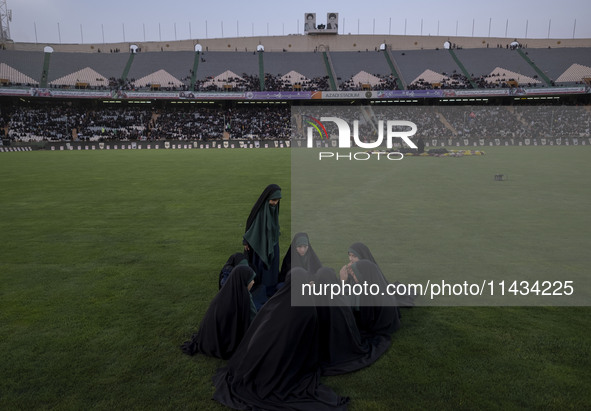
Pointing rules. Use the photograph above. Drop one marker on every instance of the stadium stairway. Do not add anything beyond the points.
(127, 67)
(154, 120)
(261, 71)
(400, 82)
(45, 72)
(370, 117)
(330, 70)
(195, 67)
(446, 123)
(518, 116)
(461, 66)
(536, 68)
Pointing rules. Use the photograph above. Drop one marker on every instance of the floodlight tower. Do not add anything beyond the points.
(5, 19)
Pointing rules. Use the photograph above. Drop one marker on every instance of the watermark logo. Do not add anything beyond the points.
(318, 126)
(390, 132)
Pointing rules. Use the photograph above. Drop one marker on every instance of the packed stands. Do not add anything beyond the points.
(238, 94)
(65, 122)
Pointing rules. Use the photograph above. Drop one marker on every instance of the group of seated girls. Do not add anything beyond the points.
(277, 355)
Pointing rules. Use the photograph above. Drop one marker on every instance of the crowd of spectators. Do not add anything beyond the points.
(64, 122)
(18, 84)
(449, 81)
(502, 81)
(247, 82)
(271, 83)
(550, 122)
(473, 122)
(386, 82)
(264, 122)
(30, 124)
(243, 83)
(518, 122)
(460, 81)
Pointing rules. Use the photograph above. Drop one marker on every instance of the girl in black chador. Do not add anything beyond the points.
(261, 243)
(227, 318)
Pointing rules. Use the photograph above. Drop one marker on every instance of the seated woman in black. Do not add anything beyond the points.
(300, 254)
(343, 349)
(374, 314)
(356, 252)
(276, 367)
(227, 318)
(359, 251)
(234, 260)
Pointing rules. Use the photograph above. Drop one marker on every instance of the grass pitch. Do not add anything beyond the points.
(108, 261)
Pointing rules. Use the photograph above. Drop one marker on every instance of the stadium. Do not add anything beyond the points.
(129, 170)
(160, 87)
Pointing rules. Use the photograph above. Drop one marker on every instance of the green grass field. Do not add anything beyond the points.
(109, 259)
